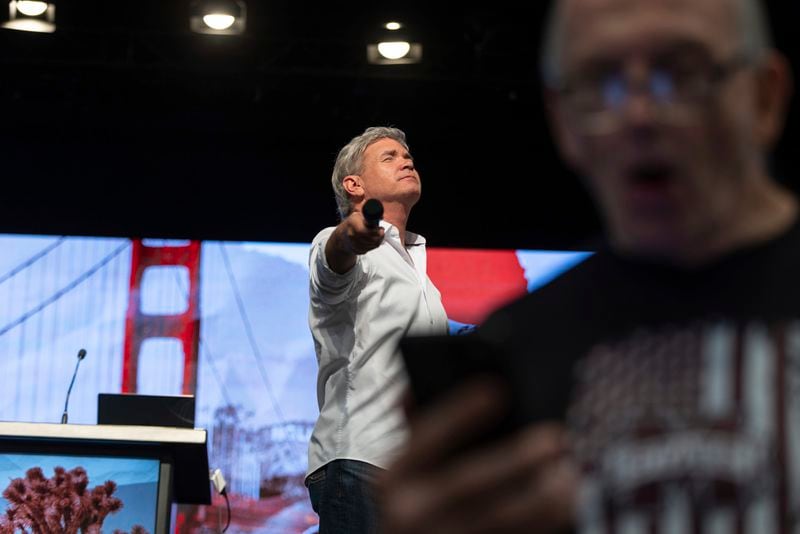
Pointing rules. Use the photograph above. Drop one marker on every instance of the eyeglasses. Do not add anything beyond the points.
(678, 86)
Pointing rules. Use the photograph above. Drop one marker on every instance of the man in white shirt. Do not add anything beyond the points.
(368, 289)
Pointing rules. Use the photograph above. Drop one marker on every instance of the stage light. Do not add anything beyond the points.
(218, 17)
(394, 49)
(394, 53)
(31, 16)
(390, 46)
(31, 8)
(219, 21)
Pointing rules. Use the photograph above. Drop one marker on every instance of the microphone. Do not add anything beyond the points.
(373, 212)
(81, 356)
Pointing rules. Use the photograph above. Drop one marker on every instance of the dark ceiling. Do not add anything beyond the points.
(125, 123)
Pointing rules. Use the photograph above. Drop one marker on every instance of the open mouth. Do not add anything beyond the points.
(652, 175)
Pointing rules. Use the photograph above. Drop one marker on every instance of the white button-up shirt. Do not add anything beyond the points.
(357, 320)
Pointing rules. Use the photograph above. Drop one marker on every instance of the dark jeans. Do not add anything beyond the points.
(341, 494)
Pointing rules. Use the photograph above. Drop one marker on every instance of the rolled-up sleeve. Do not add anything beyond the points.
(326, 284)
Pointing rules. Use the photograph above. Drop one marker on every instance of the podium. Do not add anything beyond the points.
(149, 468)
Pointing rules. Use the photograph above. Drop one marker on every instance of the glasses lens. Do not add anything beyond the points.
(615, 91)
(662, 86)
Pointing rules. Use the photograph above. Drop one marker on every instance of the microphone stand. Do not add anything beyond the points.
(81, 356)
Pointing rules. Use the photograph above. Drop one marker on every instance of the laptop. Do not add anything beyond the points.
(145, 410)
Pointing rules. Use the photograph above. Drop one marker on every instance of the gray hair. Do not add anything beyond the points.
(350, 161)
(753, 27)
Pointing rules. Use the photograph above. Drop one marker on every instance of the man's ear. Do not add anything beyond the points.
(773, 95)
(353, 185)
(355, 188)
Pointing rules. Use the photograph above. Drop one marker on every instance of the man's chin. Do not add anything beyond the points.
(659, 238)
(411, 196)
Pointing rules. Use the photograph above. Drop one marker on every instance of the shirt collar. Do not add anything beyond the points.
(391, 231)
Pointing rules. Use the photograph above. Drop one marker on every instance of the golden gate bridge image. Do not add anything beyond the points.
(225, 322)
(210, 319)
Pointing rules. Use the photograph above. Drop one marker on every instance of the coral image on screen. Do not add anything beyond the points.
(45, 494)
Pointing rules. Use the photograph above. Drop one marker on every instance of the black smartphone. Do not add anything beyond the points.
(437, 364)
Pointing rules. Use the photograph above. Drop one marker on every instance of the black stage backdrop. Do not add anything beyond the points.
(123, 123)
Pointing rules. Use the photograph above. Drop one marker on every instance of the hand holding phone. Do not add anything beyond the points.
(520, 476)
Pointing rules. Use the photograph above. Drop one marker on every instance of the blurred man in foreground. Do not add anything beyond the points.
(675, 350)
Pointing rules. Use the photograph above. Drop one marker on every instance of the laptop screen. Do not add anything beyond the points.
(147, 410)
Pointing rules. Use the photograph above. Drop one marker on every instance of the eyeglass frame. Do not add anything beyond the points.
(718, 72)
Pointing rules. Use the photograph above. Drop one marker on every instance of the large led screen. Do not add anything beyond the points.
(252, 367)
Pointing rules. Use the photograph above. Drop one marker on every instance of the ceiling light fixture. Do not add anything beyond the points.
(31, 16)
(394, 49)
(219, 21)
(218, 17)
(31, 8)
(390, 46)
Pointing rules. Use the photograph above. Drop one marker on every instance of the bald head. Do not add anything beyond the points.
(742, 21)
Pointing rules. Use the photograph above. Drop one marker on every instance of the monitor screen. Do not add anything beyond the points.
(57, 492)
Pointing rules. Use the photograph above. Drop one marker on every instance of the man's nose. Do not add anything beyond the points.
(640, 109)
(640, 106)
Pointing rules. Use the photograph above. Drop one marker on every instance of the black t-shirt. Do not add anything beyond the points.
(681, 387)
